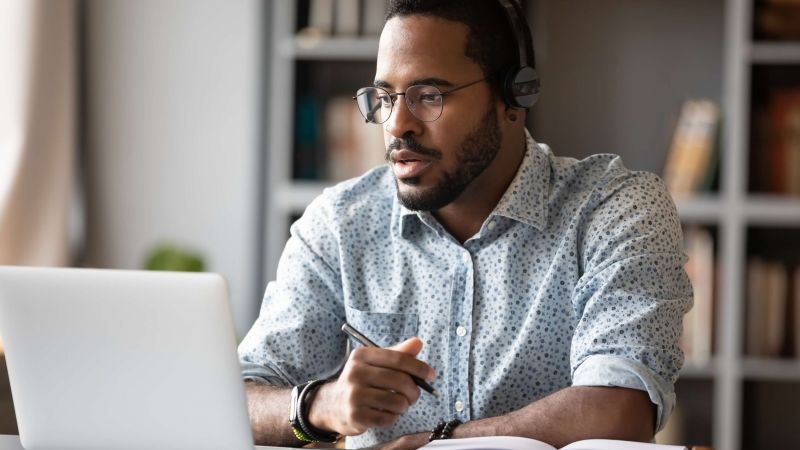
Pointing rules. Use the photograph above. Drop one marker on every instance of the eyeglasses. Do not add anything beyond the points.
(424, 101)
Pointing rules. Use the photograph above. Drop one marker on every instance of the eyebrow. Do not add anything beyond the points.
(432, 81)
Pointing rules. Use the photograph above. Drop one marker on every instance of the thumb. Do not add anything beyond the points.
(411, 346)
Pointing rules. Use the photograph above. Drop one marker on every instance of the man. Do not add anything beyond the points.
(540, 296)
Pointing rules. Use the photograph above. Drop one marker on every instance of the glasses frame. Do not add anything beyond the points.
(393, 98)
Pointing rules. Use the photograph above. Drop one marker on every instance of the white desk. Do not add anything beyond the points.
(9, 442)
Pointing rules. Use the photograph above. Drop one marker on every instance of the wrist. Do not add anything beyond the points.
(319, 413)
(299, 418)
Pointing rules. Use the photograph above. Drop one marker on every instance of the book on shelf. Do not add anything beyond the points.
(778, 20)
(795, 317)
(372, 19)
(351, 146)
(698, 324)
(307, 159)
(784, 141)
(320, 18)
(767, 296)
(692, 157)
(520, 443)
(345, 18)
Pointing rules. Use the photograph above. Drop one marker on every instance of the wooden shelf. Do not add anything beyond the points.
(293, 197)
(772, 210)
(775, 53)
(699, 372)
(702, 208)
(330, 49)
(771, 369)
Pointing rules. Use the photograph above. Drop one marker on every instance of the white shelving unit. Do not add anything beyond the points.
(287, 197)
(731, 211)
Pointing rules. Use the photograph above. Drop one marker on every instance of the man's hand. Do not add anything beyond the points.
(374, 389)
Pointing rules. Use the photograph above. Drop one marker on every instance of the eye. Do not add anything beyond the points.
(385, 99)
(430, 98)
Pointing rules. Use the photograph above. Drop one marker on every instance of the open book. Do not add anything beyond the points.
(520, 443)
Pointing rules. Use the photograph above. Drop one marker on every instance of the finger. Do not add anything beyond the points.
(394, 360)
(384, 379)
(383, 400)
(411, 346)
(366, 418)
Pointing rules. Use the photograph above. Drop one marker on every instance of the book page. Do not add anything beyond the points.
(608, 444)
(489, 443)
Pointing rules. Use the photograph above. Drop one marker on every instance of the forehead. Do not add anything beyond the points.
(415, 47)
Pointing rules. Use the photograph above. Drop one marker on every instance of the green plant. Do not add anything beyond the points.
(174, 258)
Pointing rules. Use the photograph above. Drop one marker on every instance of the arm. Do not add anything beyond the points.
(568, 415)
(267, 406)
(572, 414)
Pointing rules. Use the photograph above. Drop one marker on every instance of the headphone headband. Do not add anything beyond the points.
(516, 25)
(521, 83)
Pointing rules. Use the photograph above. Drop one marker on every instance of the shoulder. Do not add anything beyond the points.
(602, 177)
(369, 197)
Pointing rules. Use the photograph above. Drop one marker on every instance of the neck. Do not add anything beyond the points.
(464, 217)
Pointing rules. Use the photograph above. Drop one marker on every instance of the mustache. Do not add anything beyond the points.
(408, 143)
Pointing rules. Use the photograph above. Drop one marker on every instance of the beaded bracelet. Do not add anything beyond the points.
(444, 430)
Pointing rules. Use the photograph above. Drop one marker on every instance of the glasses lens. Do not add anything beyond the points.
(374, 103)
(425, 102)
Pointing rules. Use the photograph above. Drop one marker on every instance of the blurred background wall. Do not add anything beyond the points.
(172, 95)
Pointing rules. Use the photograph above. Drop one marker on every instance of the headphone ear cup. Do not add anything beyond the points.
(521, 87)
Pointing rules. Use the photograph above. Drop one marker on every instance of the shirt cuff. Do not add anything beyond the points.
(607, 370)
(262, 374)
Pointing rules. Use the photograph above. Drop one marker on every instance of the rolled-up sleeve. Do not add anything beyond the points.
(297, 334)
(633, 293)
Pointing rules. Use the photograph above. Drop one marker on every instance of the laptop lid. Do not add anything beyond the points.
(110, 359)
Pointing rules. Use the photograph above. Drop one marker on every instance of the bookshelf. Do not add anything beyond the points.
(718, 395)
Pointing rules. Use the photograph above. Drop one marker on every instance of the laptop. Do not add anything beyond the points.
(113, 359)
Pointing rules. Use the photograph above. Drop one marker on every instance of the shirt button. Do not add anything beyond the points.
(461, 331)
(467, 258)
(459, 405)
(492, 225)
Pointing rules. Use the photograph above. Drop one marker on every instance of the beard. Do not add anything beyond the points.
(477, 151)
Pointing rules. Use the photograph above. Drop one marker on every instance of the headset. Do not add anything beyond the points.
(521, 87)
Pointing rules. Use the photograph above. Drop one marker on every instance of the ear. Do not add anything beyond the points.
(511, 114)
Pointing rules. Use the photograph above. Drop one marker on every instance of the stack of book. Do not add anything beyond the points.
(352, 146)
(692, 158)
(346, 18)
(773, 309)
(777, 134)
(698, 324)
(778, 19)
(332, 141)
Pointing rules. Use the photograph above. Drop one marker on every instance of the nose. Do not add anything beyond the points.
(402, 121)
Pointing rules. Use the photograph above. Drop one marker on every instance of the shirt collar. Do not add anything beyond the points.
(525, 200)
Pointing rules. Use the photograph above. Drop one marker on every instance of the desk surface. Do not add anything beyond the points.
(9, 442)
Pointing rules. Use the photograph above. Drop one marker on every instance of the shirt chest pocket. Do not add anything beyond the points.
(383, 328)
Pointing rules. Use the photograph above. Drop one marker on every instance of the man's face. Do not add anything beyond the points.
(434, 162)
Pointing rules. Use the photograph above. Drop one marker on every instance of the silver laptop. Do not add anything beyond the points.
(108, 359)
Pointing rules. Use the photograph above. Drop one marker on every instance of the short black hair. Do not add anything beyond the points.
(490, 37)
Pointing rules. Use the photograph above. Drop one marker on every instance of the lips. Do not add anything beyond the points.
(407, 164)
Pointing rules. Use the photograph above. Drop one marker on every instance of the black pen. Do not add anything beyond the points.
(363, 340)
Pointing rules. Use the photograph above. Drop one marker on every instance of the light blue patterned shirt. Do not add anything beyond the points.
(576, 278)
